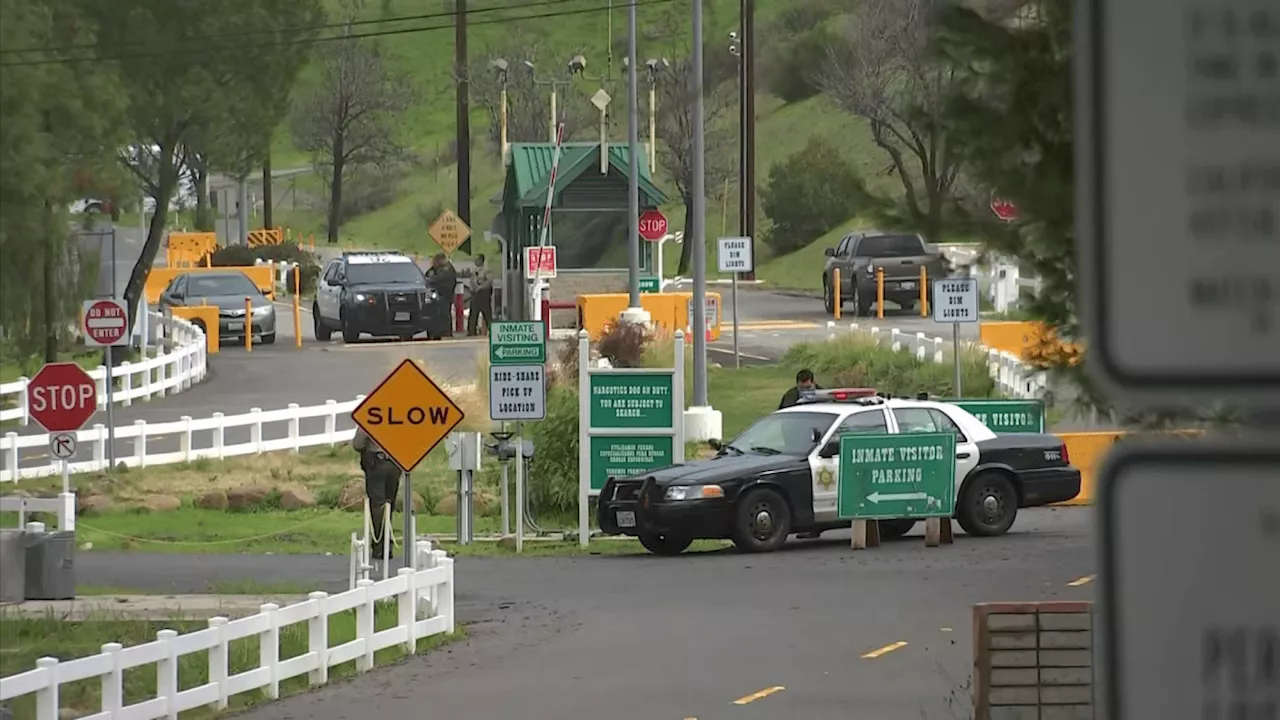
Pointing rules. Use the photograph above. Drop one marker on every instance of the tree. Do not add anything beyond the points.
(58, 137)
(347, 118)
(807, 195)
(199, 64)
(879, 69)
(675, 95)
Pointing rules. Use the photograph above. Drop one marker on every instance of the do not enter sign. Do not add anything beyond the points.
(407, 415)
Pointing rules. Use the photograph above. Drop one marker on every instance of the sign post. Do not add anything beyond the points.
(104, 323)
(734, 256)
(631, 420)
(900, 476)
(407, 415)
(955, 301)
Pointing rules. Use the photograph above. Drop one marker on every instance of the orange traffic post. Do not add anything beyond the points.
(835, 291)
(880, 293)
(248, 324)
(297, 305)
(924, 291)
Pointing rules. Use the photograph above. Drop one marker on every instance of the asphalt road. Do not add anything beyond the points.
(877, 634)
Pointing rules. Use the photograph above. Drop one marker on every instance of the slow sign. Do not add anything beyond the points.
(408, 414)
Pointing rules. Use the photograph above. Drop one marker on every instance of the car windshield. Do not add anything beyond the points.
(890, 246)
(384, 272)
(217, 285)
(785, 433)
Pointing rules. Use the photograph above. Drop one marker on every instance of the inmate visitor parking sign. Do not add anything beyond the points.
(408, 414)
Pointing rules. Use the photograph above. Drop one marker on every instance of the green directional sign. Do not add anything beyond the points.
(1006, 416)
(631, 400)
(517, 343)
(906, 475)
(650, 284)
(614, 456)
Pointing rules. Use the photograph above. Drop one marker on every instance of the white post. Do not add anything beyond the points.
(167, 673)
(218, 663)
(269, 650)
(66, 505)
(677, 402)
(519, 490)
(318, 637)
(294, 426)
(584, 437)
(658, 261)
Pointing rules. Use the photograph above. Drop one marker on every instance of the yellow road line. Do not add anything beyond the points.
(758, 695)
(1081, 581)
(884, 650)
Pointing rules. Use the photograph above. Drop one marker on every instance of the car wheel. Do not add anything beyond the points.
(318, 328)
(406, 338)
(762, 521)
(269, 339)
(861, 308)
(988, 505)
(665, 544)
(894, 529)
(349, 334)
(828, 298)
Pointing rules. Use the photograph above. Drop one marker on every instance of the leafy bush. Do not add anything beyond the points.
(231, 256)
(623, 344)
(855, 360)
(807, 195)
(553, 476)
(240, 256)
(793, 64)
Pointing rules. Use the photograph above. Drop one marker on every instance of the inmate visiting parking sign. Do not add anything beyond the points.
(1190, 581)
(408, 414)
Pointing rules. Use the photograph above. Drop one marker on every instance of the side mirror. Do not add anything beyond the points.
(715, 444)
(829, 252)
(830, 450)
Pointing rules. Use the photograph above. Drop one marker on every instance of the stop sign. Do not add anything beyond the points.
(653, 225)
(1004, 209)
(62, 397)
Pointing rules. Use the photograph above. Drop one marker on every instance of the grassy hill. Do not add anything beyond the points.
(430, 186)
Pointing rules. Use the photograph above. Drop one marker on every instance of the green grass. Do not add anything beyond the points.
(25, 640)
(11, 371)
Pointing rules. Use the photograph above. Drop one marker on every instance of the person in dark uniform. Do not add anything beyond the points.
(481, 298)
(381, 485)
(443, 278)
(804, 384)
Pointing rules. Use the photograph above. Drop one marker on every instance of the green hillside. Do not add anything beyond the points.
(430, 186)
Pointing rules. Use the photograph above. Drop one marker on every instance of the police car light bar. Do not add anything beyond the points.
(843, 395)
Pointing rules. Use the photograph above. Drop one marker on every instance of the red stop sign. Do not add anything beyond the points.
(62, 397)
(1004, 209)
(653, 225)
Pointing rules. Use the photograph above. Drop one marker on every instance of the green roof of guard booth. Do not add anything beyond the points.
(579, 182)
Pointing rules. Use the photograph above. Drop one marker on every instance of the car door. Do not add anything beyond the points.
(932, 420)
(841, 262)
(175, 294)
(327, 292)
(825, 471)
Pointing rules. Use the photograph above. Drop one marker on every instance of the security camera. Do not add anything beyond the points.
(529, 64)
(734, 50)
(733, 36)
(656, 64)
(577, 64)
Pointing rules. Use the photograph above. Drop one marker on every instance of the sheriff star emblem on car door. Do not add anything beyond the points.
(826, 479)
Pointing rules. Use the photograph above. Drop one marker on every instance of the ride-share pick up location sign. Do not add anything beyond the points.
(407, 415)
(906, 475)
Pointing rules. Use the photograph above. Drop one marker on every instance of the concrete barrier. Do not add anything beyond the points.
(204, 317)
(188, 249)
(1033, 661)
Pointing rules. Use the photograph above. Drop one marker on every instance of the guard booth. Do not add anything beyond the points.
(585, 187)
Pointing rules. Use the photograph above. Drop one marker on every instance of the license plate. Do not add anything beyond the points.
(235, 326)
(626, 518)
(908, 286)
(402, 317)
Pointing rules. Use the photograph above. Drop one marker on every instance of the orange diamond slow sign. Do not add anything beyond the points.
(407, 415)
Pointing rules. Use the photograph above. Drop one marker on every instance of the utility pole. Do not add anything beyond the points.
(633, 165)
(749, 126)
(699, 234)
(266, 190)
(464, 117)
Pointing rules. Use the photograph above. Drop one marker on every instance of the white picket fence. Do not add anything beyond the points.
(196, 439)
(425, 604)
(172, 370)
(1012, 377)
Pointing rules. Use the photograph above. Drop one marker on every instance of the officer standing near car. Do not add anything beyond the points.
(443, 278)
(381, 485)
(481, 298)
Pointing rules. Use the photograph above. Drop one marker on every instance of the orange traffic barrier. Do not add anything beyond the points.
(204, 317)
(266, 236)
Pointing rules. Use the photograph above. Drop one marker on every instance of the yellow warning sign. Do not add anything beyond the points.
(449, 231)
(407, 414)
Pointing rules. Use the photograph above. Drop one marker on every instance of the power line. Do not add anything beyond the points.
(312, 28)
(306, 41)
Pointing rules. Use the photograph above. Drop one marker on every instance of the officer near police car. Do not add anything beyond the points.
(381, 484)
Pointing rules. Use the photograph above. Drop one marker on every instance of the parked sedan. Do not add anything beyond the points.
(226, 291)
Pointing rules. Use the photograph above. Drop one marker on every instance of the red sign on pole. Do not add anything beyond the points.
(104, 323)
(62, 397)
(540, 262)
(1004, 209)
(653, 225)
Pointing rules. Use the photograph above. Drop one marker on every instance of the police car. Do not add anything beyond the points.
(380, 294)
(778, 477)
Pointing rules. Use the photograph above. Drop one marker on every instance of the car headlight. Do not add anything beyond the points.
(361, 297)
(262, 311)
(694, 492)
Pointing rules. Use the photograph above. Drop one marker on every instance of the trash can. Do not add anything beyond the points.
(51, 570)
(13, 566)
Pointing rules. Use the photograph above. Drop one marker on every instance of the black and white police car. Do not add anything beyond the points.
(776, 478)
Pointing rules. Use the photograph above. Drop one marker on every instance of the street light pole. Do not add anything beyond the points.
(699, 237)
(500, 66)
(555, 85)
(633, 175)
